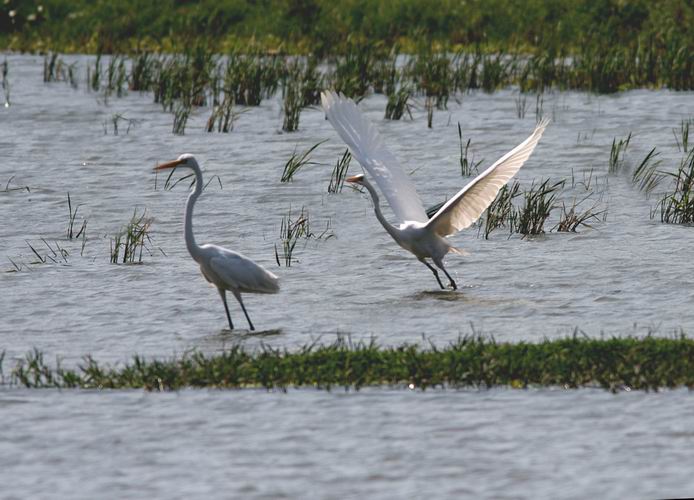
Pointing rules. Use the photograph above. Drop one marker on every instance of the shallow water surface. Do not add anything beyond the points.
(378, 443)
(627, 275)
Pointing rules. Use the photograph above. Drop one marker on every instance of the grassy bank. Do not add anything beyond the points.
(616, 363)
(324, 26)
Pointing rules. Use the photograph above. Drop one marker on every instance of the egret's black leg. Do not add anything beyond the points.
(452, 282)
(238, 297)
(226, 307)
(433, 270)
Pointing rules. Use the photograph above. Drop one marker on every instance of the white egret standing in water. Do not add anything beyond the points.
(417, 233)
(223, 268)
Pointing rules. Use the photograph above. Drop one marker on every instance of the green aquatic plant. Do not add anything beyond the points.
(398, 104)
(611, 363)
(72, 216)
(292, 101)
(224, 115)
(677, 205)
(297, 161)
(572, 217)
(619, 148)
(128, 245)
(143, 68)
(181, 115)
(500, 211)
(538, 202)
(468, 166)
(339, 173)
(647, 176)
(682, 135)
(94, 76)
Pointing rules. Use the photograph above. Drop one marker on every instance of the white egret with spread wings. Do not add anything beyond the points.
(422, 236)
(223, 268)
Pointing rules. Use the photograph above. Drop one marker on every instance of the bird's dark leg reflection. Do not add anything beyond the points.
(238, 297)
(226, 307)
(433, 270)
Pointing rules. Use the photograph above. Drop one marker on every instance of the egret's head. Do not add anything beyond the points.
(185, 160)
(356, 179)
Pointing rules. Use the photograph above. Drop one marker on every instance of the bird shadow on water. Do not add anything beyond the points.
(445, 295)
(241, 334)
(225, 337)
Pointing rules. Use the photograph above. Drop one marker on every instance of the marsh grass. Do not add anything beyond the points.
(52, 67)
(292, 100)
(339, 173)
(55, 253)
(353, 69)
(94, 75)
(521, 105)
(181, 115)
(614, 364)
(677, 205)
(500, 211)
(617, 152)
(143, 70)
(224, 115)
(116, 76)
(468, 166)
(5, 82)
(116, 120)
(72, 217)
(647, 176)
(292, 229)
(128, 245)
(297, 161)
(538, 202)
(573, 216)
(682, 135)
(398, 104)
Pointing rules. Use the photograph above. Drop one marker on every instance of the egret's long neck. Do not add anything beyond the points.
(192, 246)
(392, 230)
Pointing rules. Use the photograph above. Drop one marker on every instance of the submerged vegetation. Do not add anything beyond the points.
(615, 364)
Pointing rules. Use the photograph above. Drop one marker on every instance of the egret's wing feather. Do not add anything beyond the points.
(368, 148)
(467, 206)
(240, 272)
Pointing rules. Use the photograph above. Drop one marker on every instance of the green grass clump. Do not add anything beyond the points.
(646, 176)
(539, 201)
(468, 166)
(614, 364)
(339, 173)
(5, 84)
(619, 148)
(298, 161)
(128, 245)
(677, 206)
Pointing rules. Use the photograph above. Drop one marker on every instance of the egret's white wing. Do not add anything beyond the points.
(368, 148)
(240, 272)
(466, 207)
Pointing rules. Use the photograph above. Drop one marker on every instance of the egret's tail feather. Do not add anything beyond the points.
(459, 251)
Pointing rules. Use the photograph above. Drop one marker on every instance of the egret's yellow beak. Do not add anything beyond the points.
(354, 178)
(170, 164)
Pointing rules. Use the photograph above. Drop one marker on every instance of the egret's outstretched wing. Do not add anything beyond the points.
(368, 148)
(466, 207)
